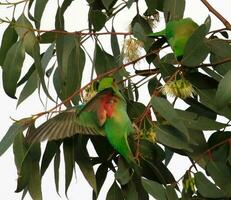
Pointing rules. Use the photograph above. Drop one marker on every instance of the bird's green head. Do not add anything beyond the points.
(107, 82)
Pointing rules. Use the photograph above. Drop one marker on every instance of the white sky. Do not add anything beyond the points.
(79, 189)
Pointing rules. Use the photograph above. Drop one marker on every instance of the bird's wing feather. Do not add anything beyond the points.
(65, 125)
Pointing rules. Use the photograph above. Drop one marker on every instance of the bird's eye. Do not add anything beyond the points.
(111, 101)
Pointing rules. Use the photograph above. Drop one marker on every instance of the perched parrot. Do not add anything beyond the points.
(177, 33)
(105, 114)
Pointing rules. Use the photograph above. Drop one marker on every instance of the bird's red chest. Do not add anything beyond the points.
(106, 108)
(108, 104)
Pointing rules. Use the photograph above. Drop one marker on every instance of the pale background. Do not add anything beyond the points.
(76, 14)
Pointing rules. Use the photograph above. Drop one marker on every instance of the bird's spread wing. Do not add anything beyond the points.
(66, 124)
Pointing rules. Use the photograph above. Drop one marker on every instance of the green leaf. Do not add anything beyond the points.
(26, 76)
(9, 137)
(19, 150)
(68, 151)
(24, 28)
(38, 11)
(114, 192)
(47, 56)
(155, 189)
(59, 18)
(167, 111)
(167, 136)
(51, 150)
(30, 86)
(123, 172)
(153, 5)
(141, 29)
(47, 37)
(101, 175)
(197, 122)
(221, 174)
(115, 45)
(8, 39)
(97, 19)
(71, 61)
(56, 170)
(34, 185)
(207, 98)
(21, 161)
(171, 193)
(84, 162)
(220, 50)
(131, 191)
(206, 188)
(12, 68)
(103, 61)
(174, 9)
(39, 68)
(196, 50)
(107, 3)
(223, 96)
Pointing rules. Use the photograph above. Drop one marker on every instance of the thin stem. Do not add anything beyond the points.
(217, 14)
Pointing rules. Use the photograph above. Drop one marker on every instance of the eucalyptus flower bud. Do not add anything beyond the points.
(179, 88)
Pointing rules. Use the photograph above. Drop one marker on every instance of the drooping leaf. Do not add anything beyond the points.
(50, 152)
(8, 39)
(40, 6)
(26, 76)
(24, 30)
(167, 111)
(102, 61)
(101, 175)
(206, 188)
(141, 29)
(223, 96)
(56, 170)
(171, 193)
(197, 122)
(97, 19)
(69, 158)
(107, 3)
(220, 50)
(196, 50)
(221, 173)
(71, 61)
(155, 189)
(8, 139)
(12, 68)
(122, 174)
(115, 45)
(174, 9)
(167, 136)
(39, 68)
(114, 192)
(29, 88)
(84, 162)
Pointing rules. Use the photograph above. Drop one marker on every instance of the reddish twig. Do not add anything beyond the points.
(217, 14)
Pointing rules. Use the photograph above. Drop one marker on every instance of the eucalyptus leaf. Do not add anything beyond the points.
(223, 96)
(155, 189)
(166, 110)
(9, 38)
(12, 68)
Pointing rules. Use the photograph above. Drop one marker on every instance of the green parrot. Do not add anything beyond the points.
(105, 114)
(177, 33)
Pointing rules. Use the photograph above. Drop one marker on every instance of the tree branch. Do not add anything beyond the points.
(217, 14)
